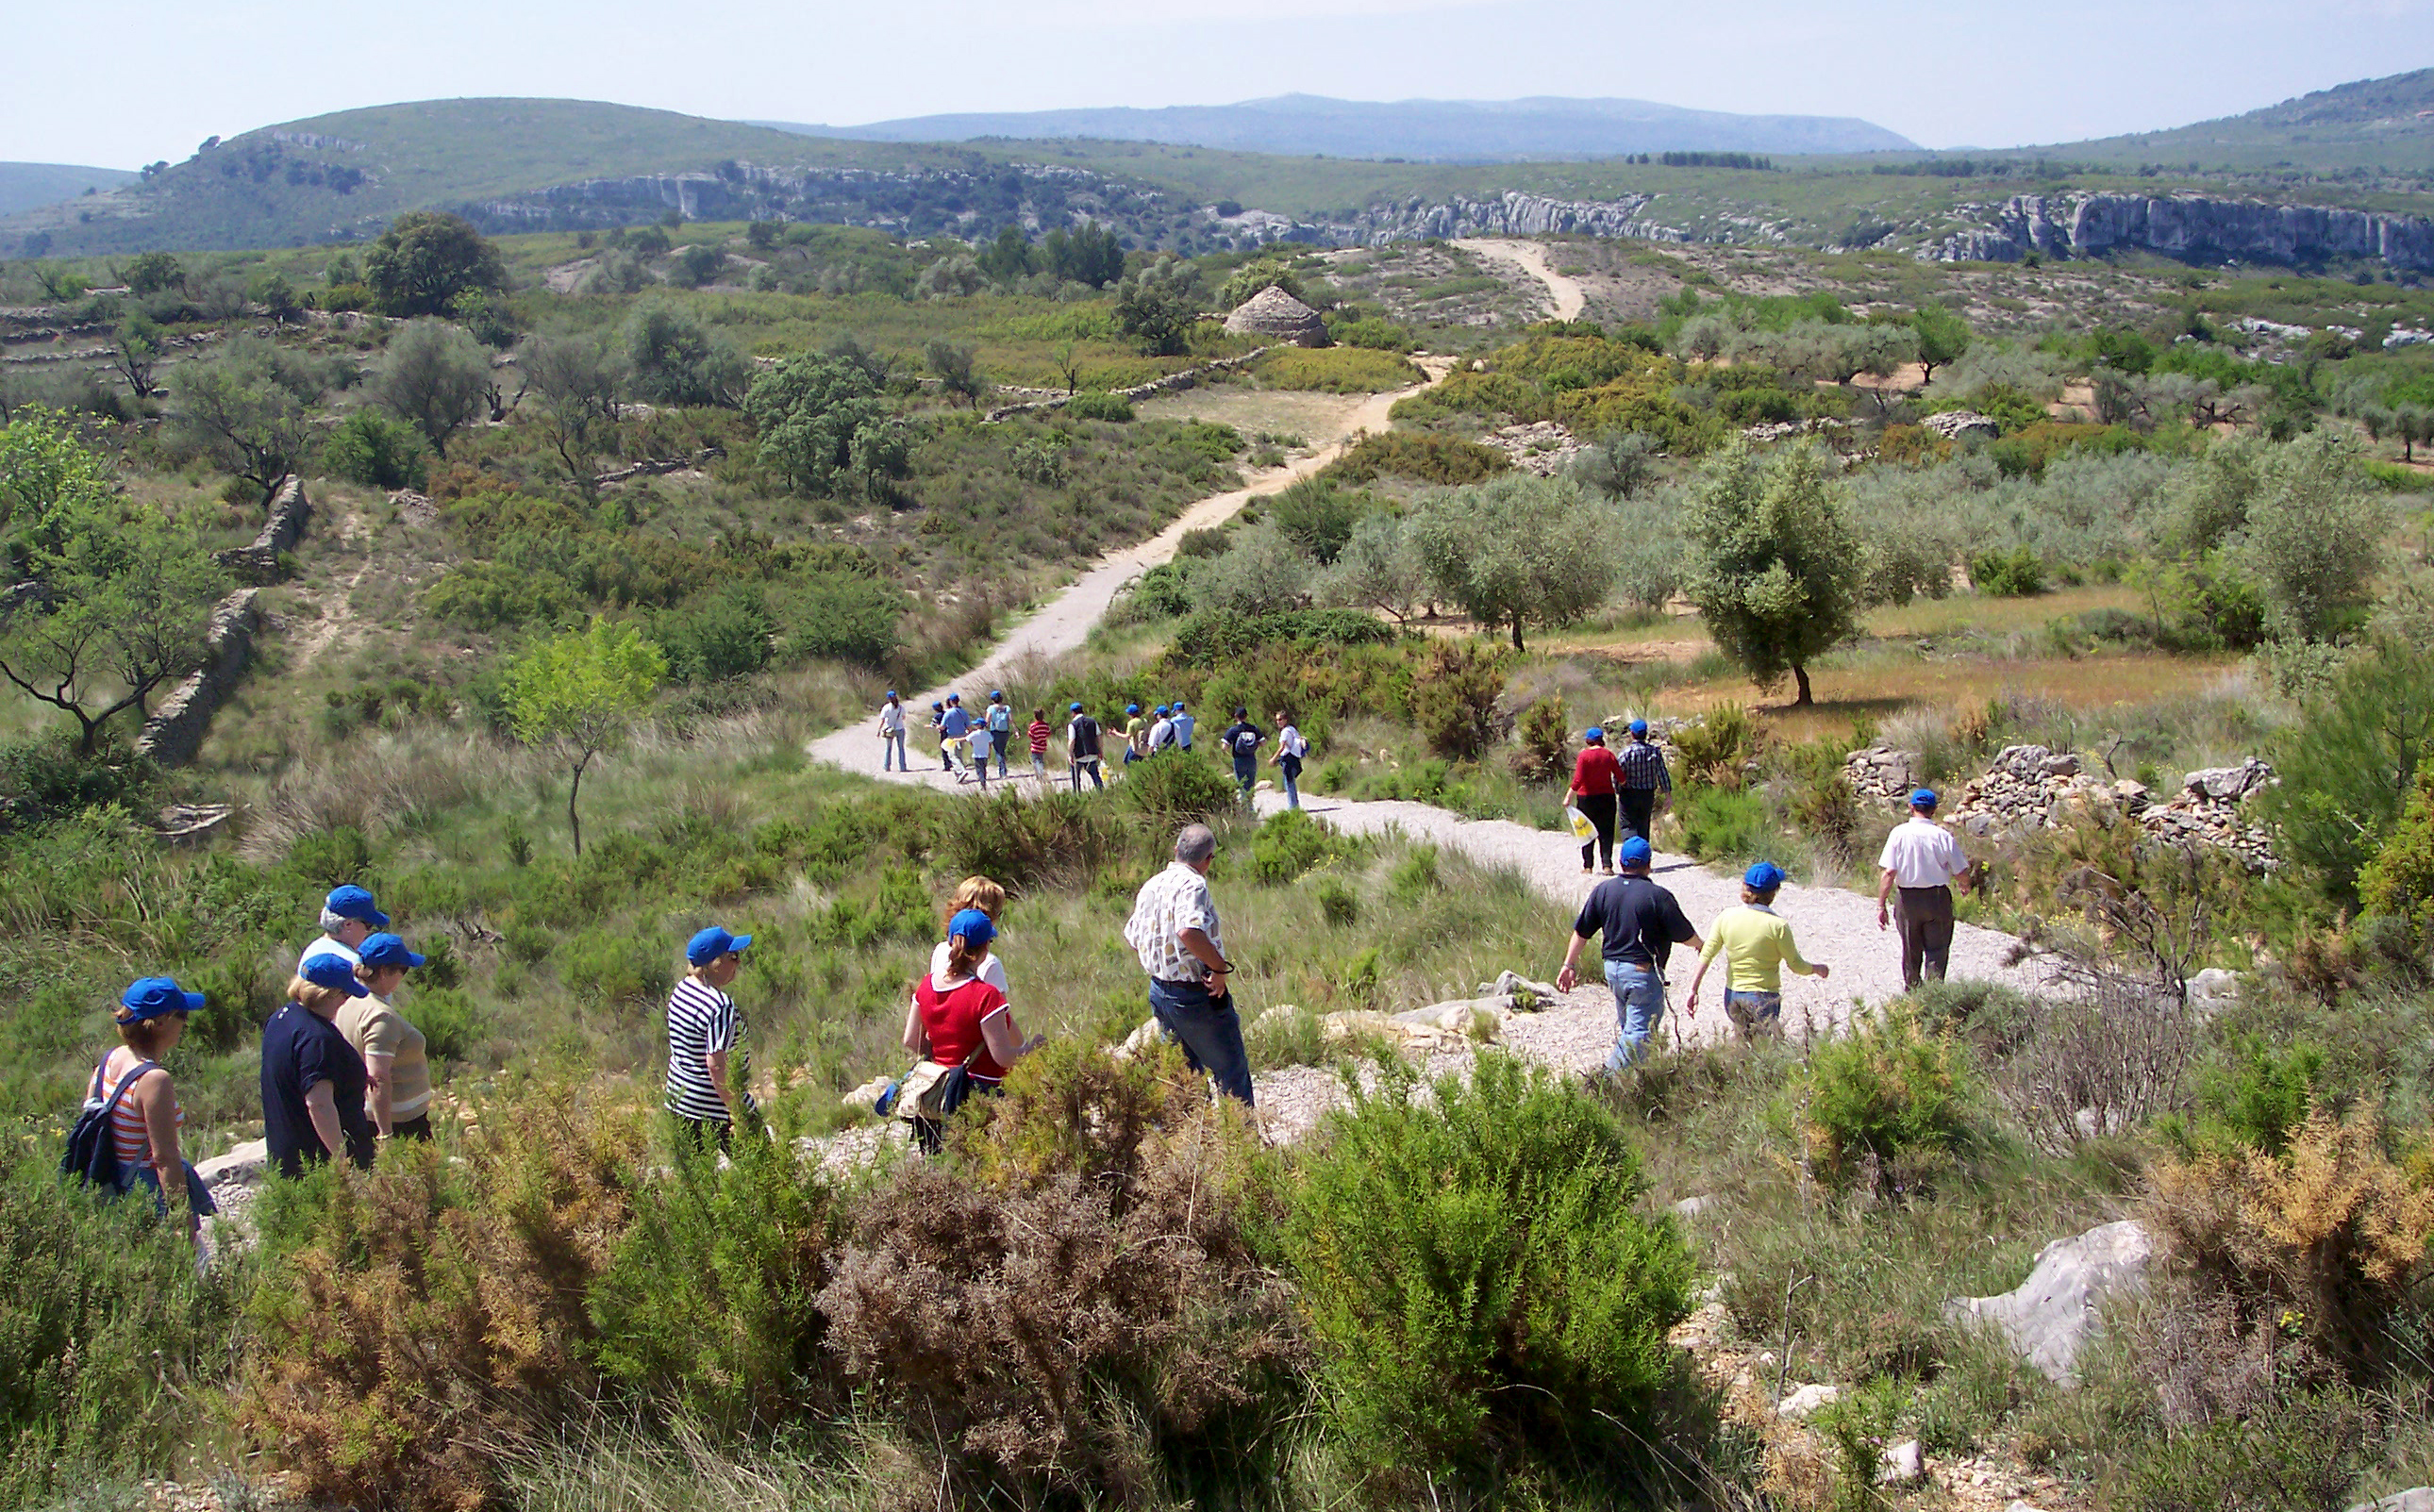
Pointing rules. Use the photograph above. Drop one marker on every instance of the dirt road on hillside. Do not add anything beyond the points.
(1064, 621)
(1569, 297)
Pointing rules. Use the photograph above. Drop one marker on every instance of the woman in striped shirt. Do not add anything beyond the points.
(152, 1019)
(703, 1030)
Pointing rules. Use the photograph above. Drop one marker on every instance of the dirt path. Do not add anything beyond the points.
(1064, 621)
(1569, 297)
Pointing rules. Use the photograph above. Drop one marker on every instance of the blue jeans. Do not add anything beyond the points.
(891, 754)
(1089, 764)
(1246, 774)
(1209, 1032)
(998, 738)
(1639, 1005)
(1755, 1014)
(1289, 769)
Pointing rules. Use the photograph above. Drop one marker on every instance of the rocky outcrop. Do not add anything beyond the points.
(1955, 425)
(259, 562)
(175, 732)
(2190, 227)
(2029, 788)
(2051, 1317)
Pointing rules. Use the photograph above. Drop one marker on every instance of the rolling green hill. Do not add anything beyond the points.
(335, 177)
(24, 185)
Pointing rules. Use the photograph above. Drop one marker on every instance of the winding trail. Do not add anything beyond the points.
(1834, 925)
(1569, 297)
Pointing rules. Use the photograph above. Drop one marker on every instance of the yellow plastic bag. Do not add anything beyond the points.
(1581, 828)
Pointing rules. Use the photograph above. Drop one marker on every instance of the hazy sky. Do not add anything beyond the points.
(145, 79)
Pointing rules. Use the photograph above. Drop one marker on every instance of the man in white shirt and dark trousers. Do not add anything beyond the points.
(1924, 862)
(1174, 930)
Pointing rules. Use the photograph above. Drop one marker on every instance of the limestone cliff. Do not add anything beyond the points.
(2184, 226)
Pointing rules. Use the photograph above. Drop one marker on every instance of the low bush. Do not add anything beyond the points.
(2297, 1457)
(1212, 639)
(1992, 1019)
(1885, 1105)
(1337, 370)
(1287, 845)
(2249, 1098)
(1717, 748)
(1177, 789)
(1339, 903)
(1457, 699)
(1482, 1286)
(1090, 405)
(2018, 574)
(372, 449)
(1721, 825)
(1420, 455)
(1545, 752)
(1056, 839)
(109, 1338)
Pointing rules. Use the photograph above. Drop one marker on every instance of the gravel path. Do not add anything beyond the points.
(1569, 297)
(1064, 622)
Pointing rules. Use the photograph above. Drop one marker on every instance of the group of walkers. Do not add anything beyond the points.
(342, 1069)
(966, 742)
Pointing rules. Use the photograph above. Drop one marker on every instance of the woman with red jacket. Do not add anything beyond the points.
(1597, 778)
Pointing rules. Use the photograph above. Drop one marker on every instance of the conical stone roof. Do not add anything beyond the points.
(1278, 315)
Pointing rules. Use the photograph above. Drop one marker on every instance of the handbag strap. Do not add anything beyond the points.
(124, 1082)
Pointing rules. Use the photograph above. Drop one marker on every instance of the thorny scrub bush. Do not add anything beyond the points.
(1051, 840)
(2298, 1455)
(1715, 749)
(1482, 1289)
(415, 1318)
(1288, 844)
(2326, 1240)
(107, 1335)
(1176, 788)
(1081, 1316)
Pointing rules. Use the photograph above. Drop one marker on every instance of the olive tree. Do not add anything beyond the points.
(245, 410)
(1154, 308)
(2314, 533)
(674, 359)
(1517, 550)
(1777, 570)
(579, 383)
(1378, 568)
(436, 378)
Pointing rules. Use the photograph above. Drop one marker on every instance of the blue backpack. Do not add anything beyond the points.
(93, 1152)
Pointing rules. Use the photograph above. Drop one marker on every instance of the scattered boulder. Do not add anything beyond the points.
(1882, 771)
(2029, 788)
(241, 1167)
(1528, 997)
(1806, 1402)
(1905, 1464)
(2230, 784)
(1691, 1207)
(2416, 1499)
(2051, 1314)
(2213, 990)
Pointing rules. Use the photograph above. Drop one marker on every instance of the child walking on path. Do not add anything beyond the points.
(1039, 733)
(1757, 945)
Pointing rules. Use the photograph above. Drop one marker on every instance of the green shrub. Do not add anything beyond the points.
(604, 968)
(1457, 699)
(1546, 750)
(372, 449)
(1287, 845)
(1995, 1020)
(1176, 789)
(2249, 1098)
(45, 778)
(709, 1308)
(1415, 876)
(1337, 370)
(2018, 574)
(1721, 825)
(1112, 408)
(719, 635)
(1885, 1102)
(1480, 1281)
(452, 1025)
(330, 857)
(1054, 839)
(1717, 747)
(110, 1342)
(1338, 902)
(1419, 454)
(1213, 639)
(2298, 1456)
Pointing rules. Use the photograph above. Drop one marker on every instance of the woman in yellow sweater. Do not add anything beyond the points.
(1757, 945)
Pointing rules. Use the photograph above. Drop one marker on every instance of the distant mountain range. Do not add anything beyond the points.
(24, 185)
(2376, 123)
(1539, 129)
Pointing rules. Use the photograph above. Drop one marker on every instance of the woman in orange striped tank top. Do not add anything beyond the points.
(152, 1019)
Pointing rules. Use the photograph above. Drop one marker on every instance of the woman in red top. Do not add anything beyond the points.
(1597, 777)
(957, 1019)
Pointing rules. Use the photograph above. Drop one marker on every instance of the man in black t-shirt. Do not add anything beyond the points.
(1082, 748)
(1243, 740)
(1642, 924)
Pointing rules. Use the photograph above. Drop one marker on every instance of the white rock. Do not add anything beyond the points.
(1902, 1465)
(2213, 989)
(2052, 1312)
(2416, 1499)
(242, 1167)
(1804, 1402)
(1512, 984)
(1691, 1207)
(2018, 1506)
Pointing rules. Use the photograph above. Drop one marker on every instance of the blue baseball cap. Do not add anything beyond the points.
(1633, 852)
(1763, 877)
(954, 698)
(1073, 708)
(1132, 709)
(975, 926)
(994, 694)
(1639, 726)
(1162, 708)
(712, 942)
(891, 692)
(326, 970)
(1922, 798)
(1594, 734)
(384, 950)
(152, 996)
(1178, 705)
(934, 704)
(352, 902)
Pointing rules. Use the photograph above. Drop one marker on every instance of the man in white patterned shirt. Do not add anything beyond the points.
(1174, 930)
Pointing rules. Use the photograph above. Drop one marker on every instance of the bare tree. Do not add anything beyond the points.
(579, 383)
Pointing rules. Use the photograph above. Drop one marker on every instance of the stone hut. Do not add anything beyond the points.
(1276, 316)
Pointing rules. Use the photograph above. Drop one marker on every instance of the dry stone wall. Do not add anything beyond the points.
(259, 562)
(175, 732)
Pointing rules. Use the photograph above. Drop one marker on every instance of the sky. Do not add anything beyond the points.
(1944, 73)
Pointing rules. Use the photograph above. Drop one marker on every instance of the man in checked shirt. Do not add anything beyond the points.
(1643, 777)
